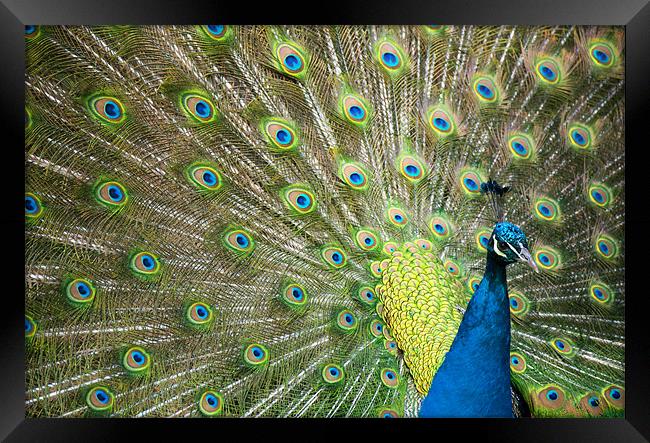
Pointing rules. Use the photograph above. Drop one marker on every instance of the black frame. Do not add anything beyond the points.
(634, 14)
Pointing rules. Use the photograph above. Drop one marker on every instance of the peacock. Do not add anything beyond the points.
(324, 221)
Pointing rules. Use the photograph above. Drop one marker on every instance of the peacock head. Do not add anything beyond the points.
(508, 243)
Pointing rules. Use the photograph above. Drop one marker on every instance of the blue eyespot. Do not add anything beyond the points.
(598, 196)
(202, 109)
(283, 136)
(303, 200)
(484, 241)
(599, 294)
(544, 259)
(615, 393)
(440, 123)
(519, 148)
(398, 218)
(578, 138)
(485, 91)
(369, 241)
(216, 29)
(513, 303)
(111, 109)
(148, 262)
(209, 178)
(348, 318)
(83, 289)
(356, 112)
(594, 402)
(30, 205)
(470, 184)
(297, 293)
(334, 372)
(390, 59)
(603, 248)
(356, 178)
(101, 396)
(552, 395)
(211, 399)
(559, 344)
(242, 240)
(412, 170)
(336, 257)
(439, 228)
(547, 73)
(115, 193)
(514, 360)
(257, 352)
(601, 56)
(201, 312)
(379, 328)
(292, 62)
(28, 325)
(29, 29)
(137, 357)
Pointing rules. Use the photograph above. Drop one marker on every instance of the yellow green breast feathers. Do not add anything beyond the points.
(421, 301)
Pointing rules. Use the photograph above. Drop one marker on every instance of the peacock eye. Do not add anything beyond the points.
(503, 245)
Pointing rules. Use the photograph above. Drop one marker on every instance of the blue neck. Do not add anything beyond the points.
(474, 378)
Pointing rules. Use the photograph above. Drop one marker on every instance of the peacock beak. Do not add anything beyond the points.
(525, 256)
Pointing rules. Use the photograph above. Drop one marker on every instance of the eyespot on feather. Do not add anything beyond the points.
(599, 195)
(397, 217)
(80, 291)
(551, 397)
(606, 247)
(199, 314)
(441, 121)
(198, 107)
(354, 176)
(280, 134)
(366, 240)
(389, 378)
(111, 194)
(291, 59)
(256, 355)
(33, 206)
(30, 327)
(615, 396)
(294, 295)
(106, 109)
(334, 256)
(376, 328)
(211, 403)
(204, 177)
(299, 199)
(136, 360)
(346, 321)
(333, 374)
(517, 363)
(521, 146)
(100, 399)
(144, 263)
(238, 240)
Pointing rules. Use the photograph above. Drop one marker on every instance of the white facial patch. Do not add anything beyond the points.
(517, 252)
(496, 248)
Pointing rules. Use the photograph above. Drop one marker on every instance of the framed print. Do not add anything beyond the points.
(349, 221)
